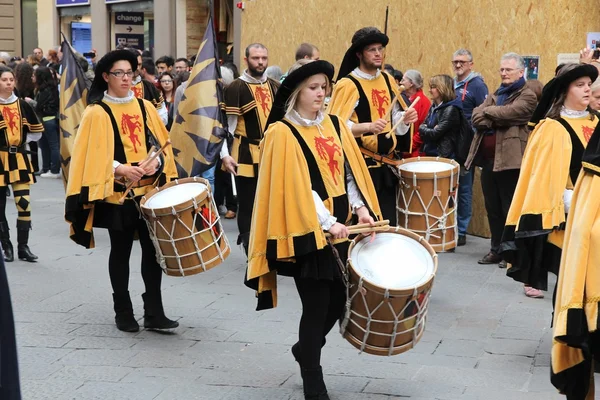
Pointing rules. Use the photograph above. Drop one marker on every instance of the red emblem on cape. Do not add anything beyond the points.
(380, 100)
(11, 116)
(263, 99)
(587, 132)
(327, 148)
(138, 92)
(129, 125)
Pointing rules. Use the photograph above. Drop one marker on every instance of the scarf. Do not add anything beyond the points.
(504, 92)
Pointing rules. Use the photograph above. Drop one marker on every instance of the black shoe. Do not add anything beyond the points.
(124, 318)
(313, 384)
(154, 314)
(490, 258)
(462, 240)
(502, 264)
(296, 354)
(7, 247)
(23, 252)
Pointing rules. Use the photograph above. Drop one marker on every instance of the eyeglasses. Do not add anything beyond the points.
(459, 62)
(379, 49)
(120, 74)
(167, 81)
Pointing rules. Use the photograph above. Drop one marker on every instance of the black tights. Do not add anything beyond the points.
(322, 305)
(121, 243)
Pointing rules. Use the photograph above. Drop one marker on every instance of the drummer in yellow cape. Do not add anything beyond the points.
(117, 126)
(312, 179)
(534, 231)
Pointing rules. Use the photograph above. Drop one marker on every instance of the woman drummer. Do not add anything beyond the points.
(534, 231)
(312, 180)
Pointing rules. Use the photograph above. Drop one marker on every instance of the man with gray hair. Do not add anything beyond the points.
(499, 143)
(472, 91)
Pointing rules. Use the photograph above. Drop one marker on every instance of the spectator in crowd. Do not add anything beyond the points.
(182, 65)
(25, 90)
(304, 51)
(164, 64)
(499, 144)
(595, 101)
(17, 59)
(472, 91)
(4, 57)
(148, 71)
(53, 60)
(389, 68)
(46, 106)
(87, 71)
(398, 75)
(440, 129)
(536, 87)
(31, 60)
(274, 72)
(168, 86)
(413, 88)
(38, 54)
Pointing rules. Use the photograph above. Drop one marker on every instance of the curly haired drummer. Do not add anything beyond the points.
(312, 180)
(117, 126)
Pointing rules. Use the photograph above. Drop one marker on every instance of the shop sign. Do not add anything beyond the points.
(66, 3)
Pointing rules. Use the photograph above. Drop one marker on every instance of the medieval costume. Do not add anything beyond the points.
(312, 175)
(143, 89)
(576, 344)
(9, 366)
(18, 126)
(534, 231)
(359, 97)
(93, 192)
(248, 103)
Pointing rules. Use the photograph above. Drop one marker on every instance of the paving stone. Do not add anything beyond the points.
(37, 370)
(402, 388)
(460, 348)
(90, 330)
(47, 389)
(511, 346)
(505, 362)
(520, 333)
(165, 375)
(97, 342)
(91, 373)
(474, 377)
(44, 328)
(106, 357)
(43, 341)
(110, 390)
(478, 393)
(31, 355)
(160, 358)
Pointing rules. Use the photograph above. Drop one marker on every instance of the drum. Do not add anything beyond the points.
(389, 284)
(185, 227)
(426, 202)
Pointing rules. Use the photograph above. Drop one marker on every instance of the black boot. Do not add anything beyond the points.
(124, 313)
(154, 314)
(7, 246)
(298, 354)
(23, 228)
(314, 386)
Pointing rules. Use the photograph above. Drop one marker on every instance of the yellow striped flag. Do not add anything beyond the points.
(200, 124)
(73, 100)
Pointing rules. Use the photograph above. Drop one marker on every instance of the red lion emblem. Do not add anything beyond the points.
(327, 150)
(130, 124)
(138, 92)
(11, 117)
(380, 100)
(587, 132)
(263, 98)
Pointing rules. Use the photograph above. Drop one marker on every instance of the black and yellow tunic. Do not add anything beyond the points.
(534, 231)
(366, 100)
(146, 90)
(251, 103)
(286, 233)
(576, 338)
(17, 120)
(108, 132)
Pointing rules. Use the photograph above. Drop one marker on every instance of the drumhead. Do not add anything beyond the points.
(175, 195)
(392, 261)
(426, 166)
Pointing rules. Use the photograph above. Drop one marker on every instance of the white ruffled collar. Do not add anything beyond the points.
(297, 119)
(11, 99)
(363, 75)
(565, 112)
(118, 100)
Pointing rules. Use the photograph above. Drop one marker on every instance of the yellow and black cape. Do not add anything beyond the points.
(91, 176)
(534, 230)
(284, 219)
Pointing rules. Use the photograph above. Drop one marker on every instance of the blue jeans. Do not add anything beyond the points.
(50, 146)
(465, 202)
(210, 175)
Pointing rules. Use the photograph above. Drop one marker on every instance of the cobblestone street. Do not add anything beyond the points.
(484, 339)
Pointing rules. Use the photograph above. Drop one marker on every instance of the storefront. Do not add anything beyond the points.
(75, 22)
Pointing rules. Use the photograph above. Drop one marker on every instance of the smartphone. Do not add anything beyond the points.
(90, 54)
(596, 54)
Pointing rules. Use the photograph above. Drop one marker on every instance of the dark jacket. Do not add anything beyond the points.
(47, 102)
(472, 92)
(9, 368)
(439, 132)
(509, 123)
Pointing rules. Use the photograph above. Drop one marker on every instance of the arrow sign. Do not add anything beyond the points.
(129, 29)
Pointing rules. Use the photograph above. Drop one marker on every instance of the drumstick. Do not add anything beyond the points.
(366, 225)
(353, 231)
(148, 159)
(402, 118)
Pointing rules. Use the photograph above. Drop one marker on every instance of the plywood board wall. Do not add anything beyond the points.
(424, 34)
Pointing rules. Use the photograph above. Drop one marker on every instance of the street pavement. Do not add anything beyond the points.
(484, 339)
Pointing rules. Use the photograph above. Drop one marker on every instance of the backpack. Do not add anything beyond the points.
(463, 139)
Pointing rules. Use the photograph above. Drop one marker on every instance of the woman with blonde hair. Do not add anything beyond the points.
(312, 180)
